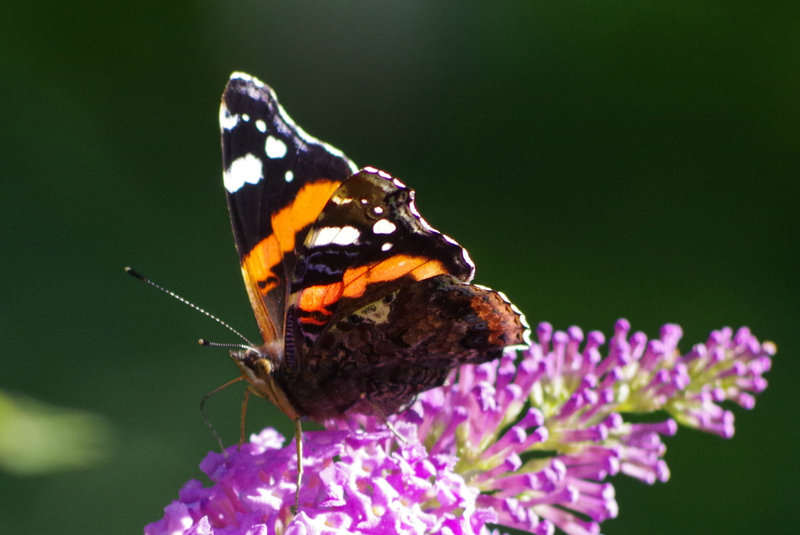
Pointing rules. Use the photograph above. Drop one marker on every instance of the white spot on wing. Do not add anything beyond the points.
(346, 235)
(227, 120)
(338, 199)
(275, 148)
(261, 126)
(288, 176)
(386, 246)
(244, 170)
(383, 226)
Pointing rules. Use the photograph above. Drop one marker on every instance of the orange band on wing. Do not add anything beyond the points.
(317, 298)
(259, 263)
(356, 280)
(255, 264)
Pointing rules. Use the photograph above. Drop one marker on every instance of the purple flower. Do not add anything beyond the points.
(526, 442)
(355, 482)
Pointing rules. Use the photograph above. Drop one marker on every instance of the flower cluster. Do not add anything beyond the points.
(354, 482)
(526, 442)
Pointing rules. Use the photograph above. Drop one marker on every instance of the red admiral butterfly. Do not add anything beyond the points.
(361, 304)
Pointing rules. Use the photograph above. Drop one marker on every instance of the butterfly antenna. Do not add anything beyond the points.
(133, 273)
(204, 342)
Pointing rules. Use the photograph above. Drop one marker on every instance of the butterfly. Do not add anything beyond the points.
(360, 303)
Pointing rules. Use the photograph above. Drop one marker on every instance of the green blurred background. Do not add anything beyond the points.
(598, 159)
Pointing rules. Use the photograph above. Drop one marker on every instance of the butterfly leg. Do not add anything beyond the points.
(379, 412)
(205, 416)
(243, 420)
(298, 440)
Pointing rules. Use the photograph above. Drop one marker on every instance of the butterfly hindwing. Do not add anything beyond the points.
(277, 178)
(377, 358)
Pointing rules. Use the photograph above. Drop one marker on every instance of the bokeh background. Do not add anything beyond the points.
(599, 159)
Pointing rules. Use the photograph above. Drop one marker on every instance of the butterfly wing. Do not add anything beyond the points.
(278, 179)
(381, 305)
(377, 358)
(368, 240)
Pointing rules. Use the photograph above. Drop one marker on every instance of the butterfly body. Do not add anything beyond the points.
(361, 303)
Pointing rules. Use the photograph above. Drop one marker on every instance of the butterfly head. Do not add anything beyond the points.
(257, 366)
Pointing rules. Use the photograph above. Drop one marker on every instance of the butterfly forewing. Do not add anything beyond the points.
(277, 179)
(368, 241)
